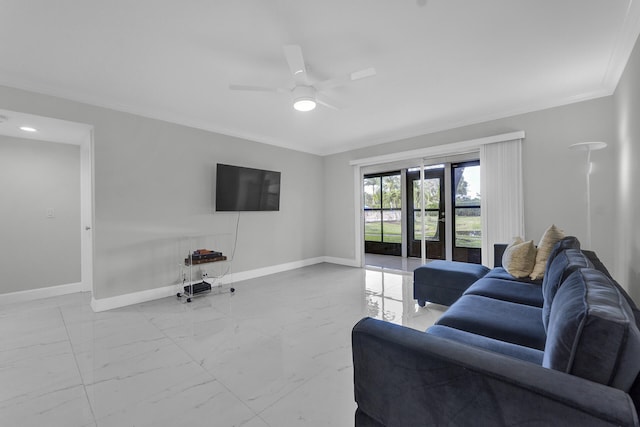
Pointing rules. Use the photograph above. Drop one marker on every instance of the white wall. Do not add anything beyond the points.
(554, 179)
(626, 222)
(154, 182)
(36, 251)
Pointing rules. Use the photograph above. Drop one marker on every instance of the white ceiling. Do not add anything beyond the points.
(440, 63)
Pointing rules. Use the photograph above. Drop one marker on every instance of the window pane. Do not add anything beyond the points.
(468, 228)
(431, 193)
(372, 192)
(468, 187)
(391, 193)
(372, 226)
(391, 226)
(431, 226)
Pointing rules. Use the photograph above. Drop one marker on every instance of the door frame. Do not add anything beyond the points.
(87, 211)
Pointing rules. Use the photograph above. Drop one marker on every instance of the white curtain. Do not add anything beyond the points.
(502, 207)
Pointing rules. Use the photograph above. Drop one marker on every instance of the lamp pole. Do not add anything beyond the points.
(588, 147)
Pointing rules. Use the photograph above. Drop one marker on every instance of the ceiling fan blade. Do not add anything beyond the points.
(363, 74)
(254, 88)
(294, 57)
(356, 75)
(251, 88)
(329, 103)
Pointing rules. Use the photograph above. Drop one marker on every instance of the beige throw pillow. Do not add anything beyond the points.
(550, 237)
(519, 258)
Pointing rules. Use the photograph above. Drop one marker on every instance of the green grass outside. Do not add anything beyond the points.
(468, 231)
(392, 232)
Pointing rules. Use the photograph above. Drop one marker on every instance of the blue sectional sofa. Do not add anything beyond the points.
(565, 351)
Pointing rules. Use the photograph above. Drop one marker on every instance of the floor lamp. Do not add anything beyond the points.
(588, 147)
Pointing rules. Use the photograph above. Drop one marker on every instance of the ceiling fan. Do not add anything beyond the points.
(306, 95)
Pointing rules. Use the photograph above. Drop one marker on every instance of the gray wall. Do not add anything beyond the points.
(37, 251)
(554, 176)
(627, 103)
(154, 182)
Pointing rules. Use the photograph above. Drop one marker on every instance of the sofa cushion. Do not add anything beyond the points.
(508, 349)
(548, 240)
(592, 332)
(505, 321)
(508, 290)
(519, 257)
(564, 263)
(443, 282)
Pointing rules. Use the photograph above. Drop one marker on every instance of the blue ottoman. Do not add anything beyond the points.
(443, 282)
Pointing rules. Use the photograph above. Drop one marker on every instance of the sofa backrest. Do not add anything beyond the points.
(568, 242)
(558, 269)
(592, 331)
(598, 265)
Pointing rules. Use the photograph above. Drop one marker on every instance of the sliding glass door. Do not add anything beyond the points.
(433, 212)
(451, 218)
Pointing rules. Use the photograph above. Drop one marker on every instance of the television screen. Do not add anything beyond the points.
(246, 189)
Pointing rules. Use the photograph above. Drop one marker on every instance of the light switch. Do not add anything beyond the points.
(51, 213)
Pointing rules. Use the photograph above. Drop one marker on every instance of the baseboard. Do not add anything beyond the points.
(260, 272)
(104, 304)
(34, 294)
(273, 269)
(342, 261)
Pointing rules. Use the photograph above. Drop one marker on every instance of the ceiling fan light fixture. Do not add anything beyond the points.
(304, 104)
(304, 98)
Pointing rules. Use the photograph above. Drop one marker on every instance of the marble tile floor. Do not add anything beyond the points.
(392, 263)
(276, 353)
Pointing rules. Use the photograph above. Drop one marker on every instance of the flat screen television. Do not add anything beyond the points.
(246, 189)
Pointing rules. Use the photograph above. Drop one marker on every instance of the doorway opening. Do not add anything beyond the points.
(50, 130)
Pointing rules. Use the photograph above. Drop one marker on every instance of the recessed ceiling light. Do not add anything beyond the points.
(28, 129)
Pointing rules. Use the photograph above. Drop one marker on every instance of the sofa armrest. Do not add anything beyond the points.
(404, 377)
(498, 251)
